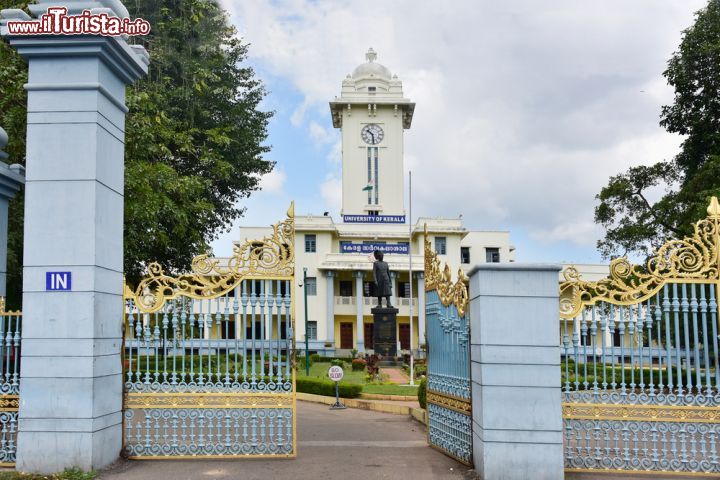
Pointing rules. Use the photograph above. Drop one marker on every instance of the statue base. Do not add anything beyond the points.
(385, 331)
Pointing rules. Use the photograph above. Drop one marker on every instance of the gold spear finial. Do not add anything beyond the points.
(714, 207)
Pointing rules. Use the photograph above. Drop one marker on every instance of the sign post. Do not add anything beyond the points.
(336, 374)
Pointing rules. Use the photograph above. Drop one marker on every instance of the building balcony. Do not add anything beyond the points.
(348, 305)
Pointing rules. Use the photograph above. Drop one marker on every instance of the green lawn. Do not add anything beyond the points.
(320, 369)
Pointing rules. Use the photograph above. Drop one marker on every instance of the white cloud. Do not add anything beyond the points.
(335, 155)
(319, 134)
(331, 192)
(524, 109)
(273, 183)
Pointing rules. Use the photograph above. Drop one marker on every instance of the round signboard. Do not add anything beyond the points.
(335, 373)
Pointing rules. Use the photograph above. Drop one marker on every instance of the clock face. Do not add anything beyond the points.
(372, 134)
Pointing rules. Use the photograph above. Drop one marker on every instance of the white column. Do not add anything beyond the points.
(267, 309)
(72, 388)
(394, 291)
(330, 314)
(360, 304)
(421, 306)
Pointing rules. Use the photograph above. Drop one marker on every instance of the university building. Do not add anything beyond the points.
(373, 114)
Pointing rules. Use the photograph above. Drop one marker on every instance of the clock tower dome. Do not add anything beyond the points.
(372, 115)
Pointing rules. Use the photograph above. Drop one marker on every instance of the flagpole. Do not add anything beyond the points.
(412, 359)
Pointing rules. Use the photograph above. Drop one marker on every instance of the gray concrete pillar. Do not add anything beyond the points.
(360, 304)
(330, 313)
(12, 177)
(515, 362)
(71, 388)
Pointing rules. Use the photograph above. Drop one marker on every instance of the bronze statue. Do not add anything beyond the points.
(381, 272)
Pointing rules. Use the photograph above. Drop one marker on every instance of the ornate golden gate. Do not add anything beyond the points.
(209, 355)
(640, 366)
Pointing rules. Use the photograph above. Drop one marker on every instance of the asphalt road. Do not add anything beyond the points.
(347, 444)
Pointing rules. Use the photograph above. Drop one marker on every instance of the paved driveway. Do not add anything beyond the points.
(346, 444)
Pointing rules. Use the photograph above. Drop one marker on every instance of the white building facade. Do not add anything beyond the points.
(373, 114)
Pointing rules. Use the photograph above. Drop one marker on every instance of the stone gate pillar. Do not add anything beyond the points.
(515, 365)
(71, 388)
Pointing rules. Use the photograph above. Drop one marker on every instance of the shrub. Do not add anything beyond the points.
(314, 358)
(358, 365)
(322, 358)
(422, 393)
(301, 362)
(339, 363)
(318, 386)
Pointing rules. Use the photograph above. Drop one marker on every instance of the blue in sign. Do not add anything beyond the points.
(61, 281)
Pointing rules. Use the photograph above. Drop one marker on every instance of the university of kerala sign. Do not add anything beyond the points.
(374, 218)
(398, 249)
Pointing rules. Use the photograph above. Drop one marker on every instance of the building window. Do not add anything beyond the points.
(346, 288)
(369, 289)
(311, 285)
(312, 330)
(441, 245)
(257, 333)
(404, 289)
(374, 212)
(310, 244)
(372, 175)
(227, 330)
(492, 255)
(372, 89)
(464, 254)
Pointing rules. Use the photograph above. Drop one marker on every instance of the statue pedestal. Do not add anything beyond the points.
(385, 331)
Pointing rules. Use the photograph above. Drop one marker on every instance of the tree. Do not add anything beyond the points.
(635, 225)
(13, 118)
(194, 136)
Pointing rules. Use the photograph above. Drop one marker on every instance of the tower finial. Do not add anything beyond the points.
(371, 55)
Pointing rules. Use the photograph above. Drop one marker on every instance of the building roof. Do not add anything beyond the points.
(371, 69)
(356, 91)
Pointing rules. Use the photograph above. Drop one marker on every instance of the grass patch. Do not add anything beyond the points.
(67, 474)
(320, 369)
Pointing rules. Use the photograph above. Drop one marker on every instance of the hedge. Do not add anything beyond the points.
(422, 393)
(318, 386)
(321, 358)
(628, 373)
(358, 365)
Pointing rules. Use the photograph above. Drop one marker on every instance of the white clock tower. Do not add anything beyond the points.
(372, 113)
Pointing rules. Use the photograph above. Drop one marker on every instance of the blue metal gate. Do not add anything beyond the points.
(448, 342)
(209, 356)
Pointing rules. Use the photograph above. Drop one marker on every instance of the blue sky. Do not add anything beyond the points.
(523, 110)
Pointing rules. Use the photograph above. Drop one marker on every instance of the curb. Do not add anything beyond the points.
(380, 396)
(359, 403)
(419, 414)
